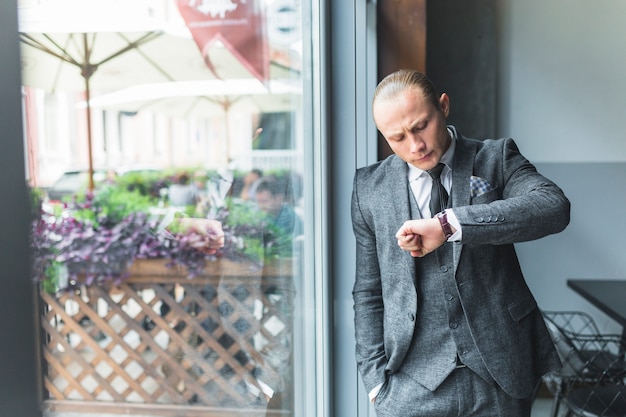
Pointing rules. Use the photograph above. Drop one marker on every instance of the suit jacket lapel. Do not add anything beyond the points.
(397, 185)
(397, 192)
(463, 169)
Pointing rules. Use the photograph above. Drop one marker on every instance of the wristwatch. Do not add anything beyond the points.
(445, 226)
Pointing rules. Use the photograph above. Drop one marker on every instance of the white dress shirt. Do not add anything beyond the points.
(421, 184)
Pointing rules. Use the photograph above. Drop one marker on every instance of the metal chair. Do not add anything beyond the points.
(602, 400)
(606, 397)
(588, 358)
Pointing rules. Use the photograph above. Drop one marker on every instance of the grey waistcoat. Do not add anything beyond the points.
(441, 330)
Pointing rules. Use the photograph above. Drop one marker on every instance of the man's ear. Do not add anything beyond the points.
(444, 104)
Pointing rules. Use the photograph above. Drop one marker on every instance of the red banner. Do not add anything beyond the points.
(238, 24)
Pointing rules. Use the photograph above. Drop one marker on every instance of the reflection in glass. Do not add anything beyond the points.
(133, 314)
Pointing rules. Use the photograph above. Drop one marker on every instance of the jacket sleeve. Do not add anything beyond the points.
(367, 295)
(524, 205)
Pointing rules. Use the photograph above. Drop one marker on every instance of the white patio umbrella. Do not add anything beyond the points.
(205, 99)
(102, 46)
(112, 45)
(199, 99)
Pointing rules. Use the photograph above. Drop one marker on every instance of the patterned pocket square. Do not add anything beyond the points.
(479, 186)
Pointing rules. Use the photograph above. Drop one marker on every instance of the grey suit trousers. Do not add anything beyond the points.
(463, 393)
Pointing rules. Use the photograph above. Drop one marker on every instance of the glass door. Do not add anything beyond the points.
(173, 150)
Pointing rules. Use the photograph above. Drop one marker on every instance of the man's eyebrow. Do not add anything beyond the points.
(394, 135)
(418, 121)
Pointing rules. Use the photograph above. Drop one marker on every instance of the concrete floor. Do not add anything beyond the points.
(542, 407)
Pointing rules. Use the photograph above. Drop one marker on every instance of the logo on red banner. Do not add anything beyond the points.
(238, 25)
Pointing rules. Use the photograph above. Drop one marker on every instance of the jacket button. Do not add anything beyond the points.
(449, 296)
(453, 325)
(443, 269)
(480, 219)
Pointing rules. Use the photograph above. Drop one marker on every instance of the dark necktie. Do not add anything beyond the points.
(438, 194)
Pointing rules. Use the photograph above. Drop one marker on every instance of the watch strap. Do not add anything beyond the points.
(445, 226)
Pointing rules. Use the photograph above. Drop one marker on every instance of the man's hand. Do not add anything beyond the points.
(203, 234)
(420, 237)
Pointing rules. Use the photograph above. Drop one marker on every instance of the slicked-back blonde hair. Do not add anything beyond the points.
(405, 80)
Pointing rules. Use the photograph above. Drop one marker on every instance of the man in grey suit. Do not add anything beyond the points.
(445, 323)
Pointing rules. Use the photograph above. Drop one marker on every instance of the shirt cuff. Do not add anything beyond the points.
(457, 236)
(267, 390)
(374, 392)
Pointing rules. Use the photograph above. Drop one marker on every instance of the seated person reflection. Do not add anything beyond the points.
(271, 197)
(250, 182)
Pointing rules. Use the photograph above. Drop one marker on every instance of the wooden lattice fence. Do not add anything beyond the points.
(163, 344)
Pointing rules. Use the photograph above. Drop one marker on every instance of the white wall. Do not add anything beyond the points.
(562, 95)
(563, 78)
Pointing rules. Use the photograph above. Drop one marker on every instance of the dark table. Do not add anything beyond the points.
(607, 295)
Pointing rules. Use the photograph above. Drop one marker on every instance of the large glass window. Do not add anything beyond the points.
(153, 127)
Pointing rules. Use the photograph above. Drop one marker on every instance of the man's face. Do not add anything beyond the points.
(268, 203)
(414, 128)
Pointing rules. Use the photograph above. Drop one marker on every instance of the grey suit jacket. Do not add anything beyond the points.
(520, 205)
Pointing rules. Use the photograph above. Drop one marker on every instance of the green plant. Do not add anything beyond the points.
(115, 203)
(147, 183)
(251, 235)
(97, 235)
